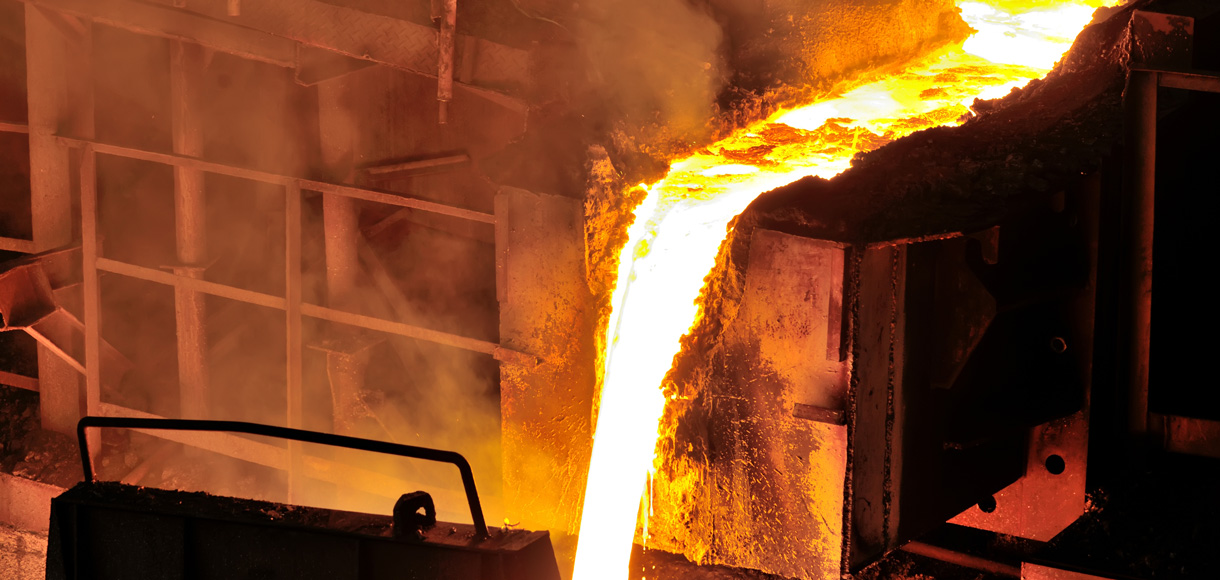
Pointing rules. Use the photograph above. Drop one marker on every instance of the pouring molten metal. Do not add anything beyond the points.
(681, 223)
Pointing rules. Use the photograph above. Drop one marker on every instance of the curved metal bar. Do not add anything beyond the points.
(456, 459)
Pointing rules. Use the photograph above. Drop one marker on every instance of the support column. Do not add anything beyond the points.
(60, 101)
(292, 298)
(337, 135)
(340, 220)
(190, 215)
(1140, 105)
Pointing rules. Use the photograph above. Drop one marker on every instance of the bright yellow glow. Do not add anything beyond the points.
(680, 225)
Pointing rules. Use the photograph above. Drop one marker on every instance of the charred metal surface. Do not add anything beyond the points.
(877, 369)
(751, 477)
(777, 477)
(1003, 161)
(1162, 40)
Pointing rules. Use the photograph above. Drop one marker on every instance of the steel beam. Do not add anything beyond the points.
(362, 193)
(165, 22)
(16, 245)
(1207, 82)
(18, 381)
(498, 352)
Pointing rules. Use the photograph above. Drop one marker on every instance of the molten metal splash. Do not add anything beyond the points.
(682, 221)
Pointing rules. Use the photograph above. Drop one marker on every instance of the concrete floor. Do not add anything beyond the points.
(23, 555)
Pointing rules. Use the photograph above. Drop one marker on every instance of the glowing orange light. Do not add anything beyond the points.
(681, 223)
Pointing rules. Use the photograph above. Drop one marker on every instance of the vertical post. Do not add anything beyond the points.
(91, 289)
(292, 295)
(445, 43)
(341, 226)
(337, 134)
(60, 101)
(340, 221)
(190, 215)
(1140, 104)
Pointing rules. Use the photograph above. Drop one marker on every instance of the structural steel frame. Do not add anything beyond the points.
(93, 264)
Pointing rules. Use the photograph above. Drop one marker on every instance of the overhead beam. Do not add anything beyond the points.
(287, 33)
(490, 70)
(166, 22)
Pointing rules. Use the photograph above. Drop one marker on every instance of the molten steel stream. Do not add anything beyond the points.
(680, 225)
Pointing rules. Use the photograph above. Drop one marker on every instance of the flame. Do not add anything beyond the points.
(681, 223)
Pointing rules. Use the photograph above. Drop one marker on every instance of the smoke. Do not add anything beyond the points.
(440, 274)
(657, 64)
